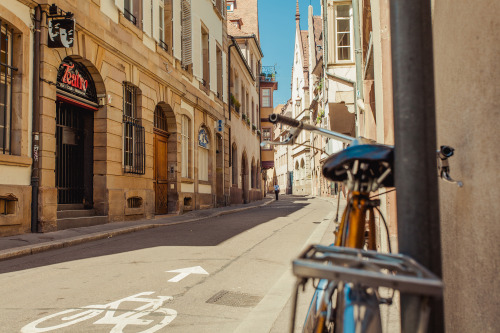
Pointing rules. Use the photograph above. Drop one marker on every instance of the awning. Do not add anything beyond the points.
(267, 164)
(341, 120)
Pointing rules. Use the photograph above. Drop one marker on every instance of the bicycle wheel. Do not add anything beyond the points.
(60, 320)
(357, 310)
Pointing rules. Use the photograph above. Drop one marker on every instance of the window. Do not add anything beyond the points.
(133, 133)
(230, 5)
(203, 149)
(343, 33)
(186, 42)
(266, 98)
(6, 68)
(205, 43)
(266, 136)
(219, 73)
(165, 25)
(131, 11)
(185, 143)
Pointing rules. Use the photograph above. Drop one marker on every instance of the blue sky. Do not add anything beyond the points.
(277, 37)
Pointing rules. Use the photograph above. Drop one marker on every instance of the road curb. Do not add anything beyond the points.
(47, 246)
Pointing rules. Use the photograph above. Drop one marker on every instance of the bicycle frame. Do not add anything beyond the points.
(353, 224)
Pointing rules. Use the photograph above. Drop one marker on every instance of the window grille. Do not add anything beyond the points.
(6, 68)
(134, 157)
(160, 119)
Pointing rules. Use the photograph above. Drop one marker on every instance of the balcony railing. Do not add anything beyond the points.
(268, 74)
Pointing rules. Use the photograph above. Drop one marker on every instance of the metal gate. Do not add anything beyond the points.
(69, 154)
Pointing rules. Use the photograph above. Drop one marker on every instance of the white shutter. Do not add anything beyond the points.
(157, 11)
(120, 4)
(187, 44)
(146, 17)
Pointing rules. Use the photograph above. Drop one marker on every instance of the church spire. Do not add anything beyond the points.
(297, 16)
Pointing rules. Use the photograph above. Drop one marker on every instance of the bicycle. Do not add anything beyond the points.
(350, 271)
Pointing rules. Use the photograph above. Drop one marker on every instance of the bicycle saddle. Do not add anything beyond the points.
(373, 159)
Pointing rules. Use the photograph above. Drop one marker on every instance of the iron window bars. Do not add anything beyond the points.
(6, 68)
(134, 152)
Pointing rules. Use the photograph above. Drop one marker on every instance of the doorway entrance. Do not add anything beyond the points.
(74, 155)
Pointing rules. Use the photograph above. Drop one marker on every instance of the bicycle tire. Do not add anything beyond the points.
(74, 319)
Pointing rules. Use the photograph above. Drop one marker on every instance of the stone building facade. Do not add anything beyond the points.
(133, 112)
(15, 117)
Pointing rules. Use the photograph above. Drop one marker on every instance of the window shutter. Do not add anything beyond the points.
(146, 17)
(120, 4)
(157, 8)
(187, 50)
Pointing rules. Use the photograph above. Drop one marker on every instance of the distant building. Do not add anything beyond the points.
(244, 57)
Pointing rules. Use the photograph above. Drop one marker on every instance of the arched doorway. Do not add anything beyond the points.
(244, 177)
(219, 170)
(76, 102)
(165, 160)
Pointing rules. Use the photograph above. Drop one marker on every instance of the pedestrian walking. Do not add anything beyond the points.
(276, 190)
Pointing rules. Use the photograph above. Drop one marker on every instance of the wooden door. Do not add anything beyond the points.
(161, 174)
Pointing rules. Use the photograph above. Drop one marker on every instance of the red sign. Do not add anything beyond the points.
(74, 78)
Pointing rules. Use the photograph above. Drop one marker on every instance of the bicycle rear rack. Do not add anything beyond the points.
(368, 268)
(365, 268)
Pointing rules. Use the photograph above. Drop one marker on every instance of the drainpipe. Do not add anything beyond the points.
(35, 173)
(415, 148)
(358, 52)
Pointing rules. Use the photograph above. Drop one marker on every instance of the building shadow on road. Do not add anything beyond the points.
(206, 232)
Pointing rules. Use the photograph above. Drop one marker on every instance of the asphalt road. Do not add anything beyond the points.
(225, 274)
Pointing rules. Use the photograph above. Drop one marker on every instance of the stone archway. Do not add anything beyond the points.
(219, 170)
(165, 160)
(244, 177)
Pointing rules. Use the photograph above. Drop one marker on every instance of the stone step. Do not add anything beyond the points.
(69, 207)
(63, 214)
(79, 222)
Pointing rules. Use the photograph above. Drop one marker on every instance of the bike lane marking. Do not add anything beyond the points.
(183, 272)
(120, 322)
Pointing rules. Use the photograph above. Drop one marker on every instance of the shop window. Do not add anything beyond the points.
(134, 157)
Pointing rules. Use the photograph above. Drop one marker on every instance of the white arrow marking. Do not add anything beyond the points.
(183, 272)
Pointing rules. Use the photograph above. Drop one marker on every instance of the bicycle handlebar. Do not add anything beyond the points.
(276, 118)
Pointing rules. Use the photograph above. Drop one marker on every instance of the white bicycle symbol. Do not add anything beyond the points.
(133, 317)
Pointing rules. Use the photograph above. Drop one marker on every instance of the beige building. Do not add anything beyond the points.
(15, 117)
(131, 116)
(244, 117)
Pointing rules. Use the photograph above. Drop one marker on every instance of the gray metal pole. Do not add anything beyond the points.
(415, 147)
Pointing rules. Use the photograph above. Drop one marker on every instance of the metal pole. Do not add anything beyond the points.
(415, 147)
(35, 173)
